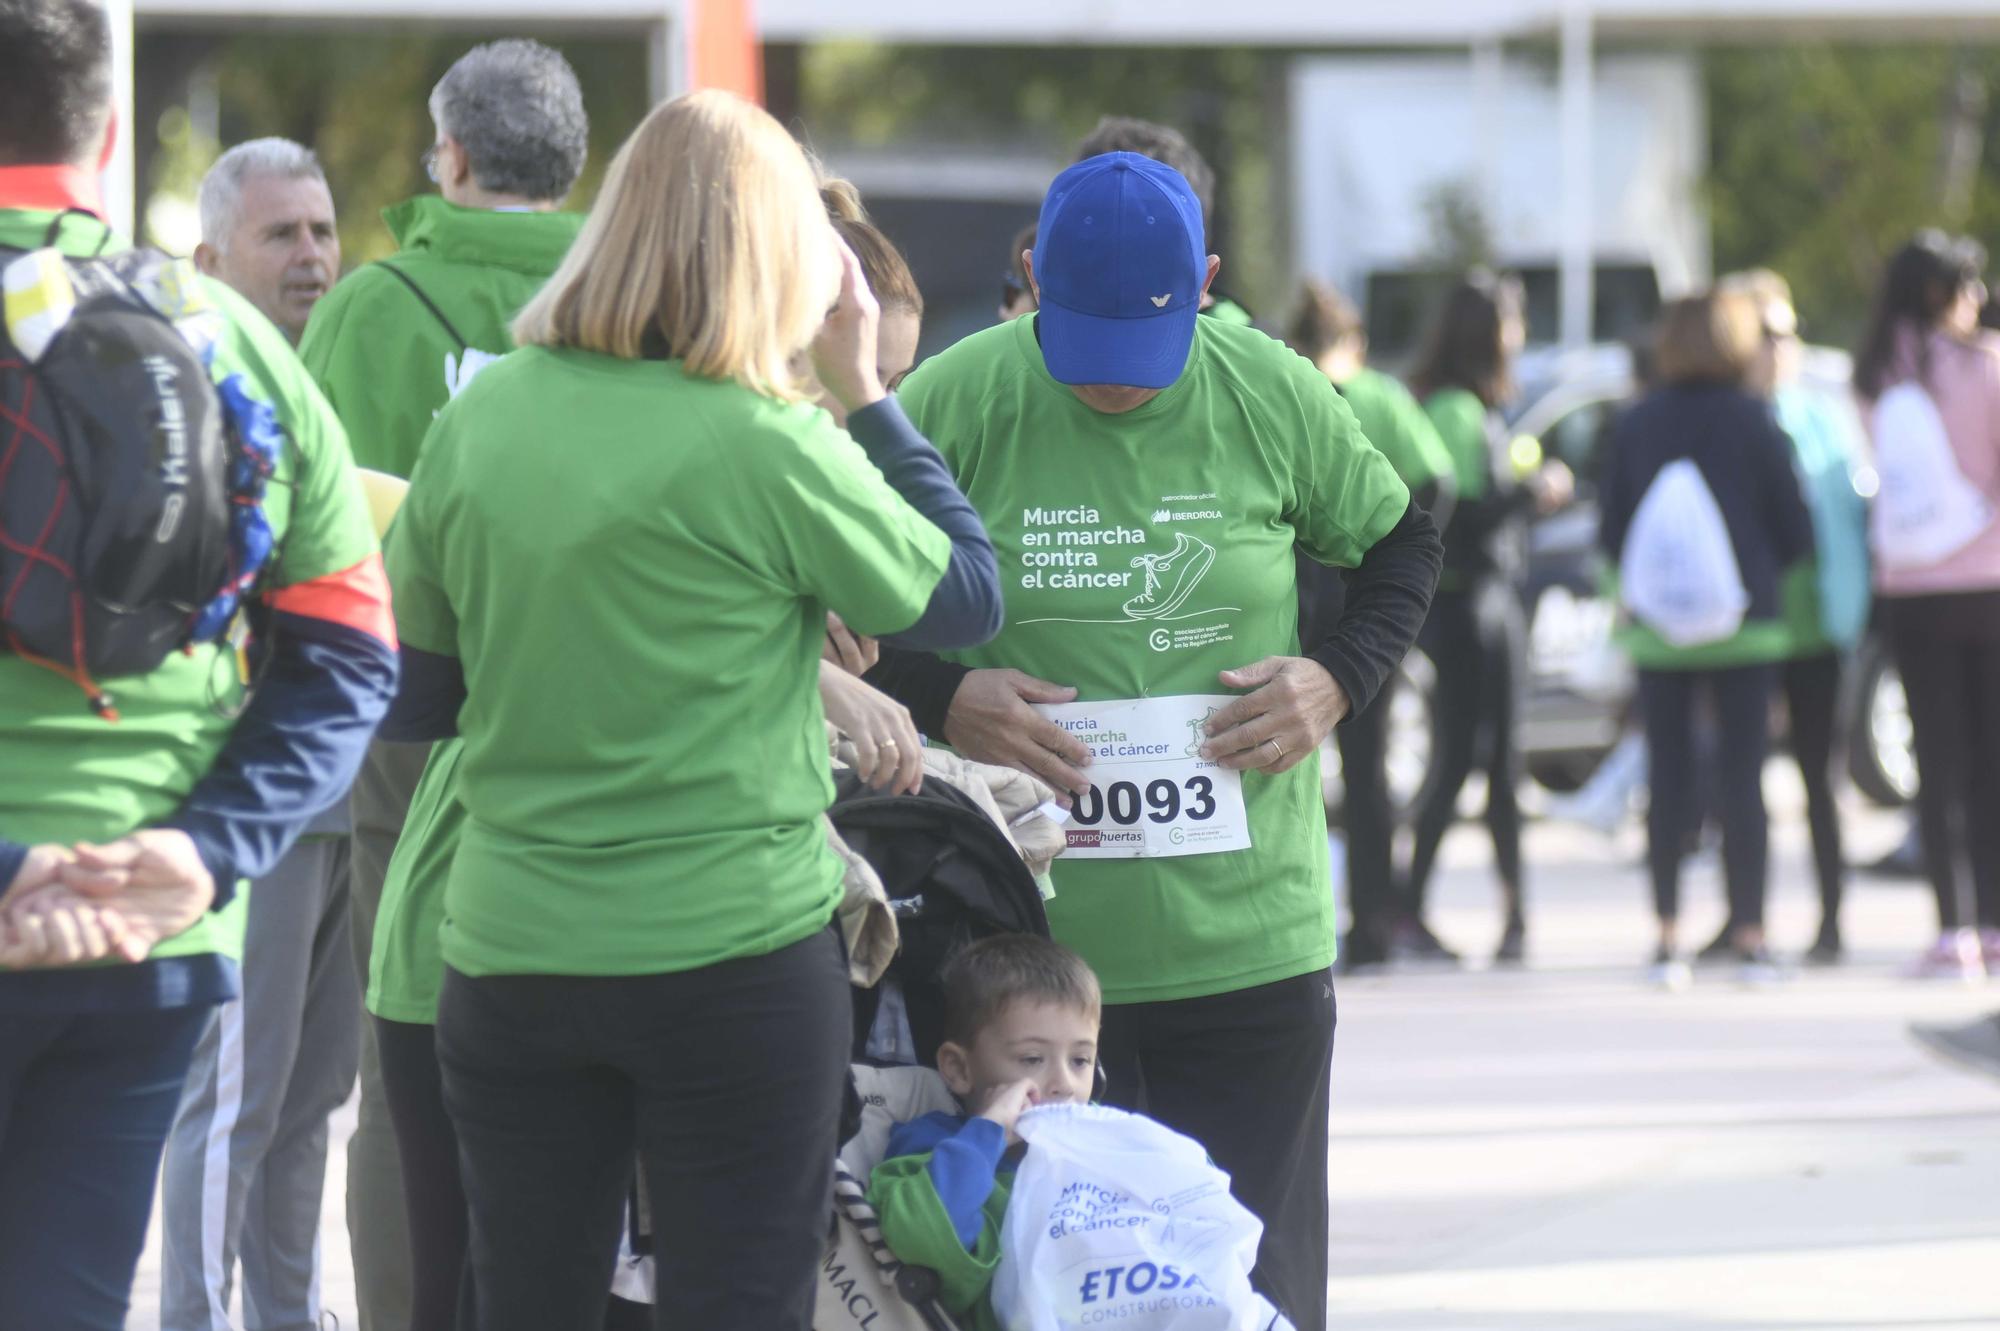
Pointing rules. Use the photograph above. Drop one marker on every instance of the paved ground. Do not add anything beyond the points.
(1563, 1149)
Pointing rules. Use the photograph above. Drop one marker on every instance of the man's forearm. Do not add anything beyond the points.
(1388, 597)
(921, 681)
(293, 752)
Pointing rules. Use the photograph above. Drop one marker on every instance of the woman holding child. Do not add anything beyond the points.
(636, 918)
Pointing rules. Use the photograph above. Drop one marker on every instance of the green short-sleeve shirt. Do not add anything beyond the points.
(68, 775)
(405, 972)
(1393, 421)
(1460, 419)
(1250, 453)
(634, 565)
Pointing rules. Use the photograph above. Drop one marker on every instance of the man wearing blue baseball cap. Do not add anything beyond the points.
(1145, 476)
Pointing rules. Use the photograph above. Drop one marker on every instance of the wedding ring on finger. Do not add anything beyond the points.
(1276, 748)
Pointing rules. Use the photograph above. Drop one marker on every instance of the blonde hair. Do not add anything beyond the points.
(1766, 286)
(1771, 294)
(708, 241)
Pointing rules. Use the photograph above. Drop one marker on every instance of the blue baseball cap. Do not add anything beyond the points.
(1120, 259)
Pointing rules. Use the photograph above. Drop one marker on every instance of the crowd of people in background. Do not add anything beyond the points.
(1788, 468)
(533, 808)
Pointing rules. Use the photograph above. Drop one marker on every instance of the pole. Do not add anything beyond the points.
(723, 40)
(120, 174)
(667, 53)
(1489, 96)
(1579, 188)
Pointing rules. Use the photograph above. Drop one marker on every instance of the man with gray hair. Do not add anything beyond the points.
(390, 346)
(267, 229)
(245, 1163)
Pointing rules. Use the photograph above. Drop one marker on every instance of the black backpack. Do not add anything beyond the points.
(952, 878)
(123, 469)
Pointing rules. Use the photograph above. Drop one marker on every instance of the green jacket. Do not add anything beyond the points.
(919, 1231)
(385, 361)
(1758, 642)
(389, 365)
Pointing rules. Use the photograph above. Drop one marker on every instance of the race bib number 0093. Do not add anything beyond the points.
(1151, 793)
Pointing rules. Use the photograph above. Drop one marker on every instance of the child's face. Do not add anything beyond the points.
(1052, 1046)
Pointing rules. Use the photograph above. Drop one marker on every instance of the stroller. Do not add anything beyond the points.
(952, 877)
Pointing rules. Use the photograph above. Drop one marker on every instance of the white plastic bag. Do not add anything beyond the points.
(1116, 1221)
(1926, 511)
(1678, 572)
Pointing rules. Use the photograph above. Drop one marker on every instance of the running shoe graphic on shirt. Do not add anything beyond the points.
(1197, 734)
(1170, 578)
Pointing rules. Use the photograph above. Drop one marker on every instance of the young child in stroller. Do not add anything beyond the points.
(1021, 1017)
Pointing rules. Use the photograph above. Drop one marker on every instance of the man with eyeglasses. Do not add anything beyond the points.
(390, 346)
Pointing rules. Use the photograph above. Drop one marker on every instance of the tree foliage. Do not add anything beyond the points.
(1047, 98)
(1825, 158)
(361, 102)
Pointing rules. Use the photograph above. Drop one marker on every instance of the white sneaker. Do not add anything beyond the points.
(1669, 972)
(1955, 956)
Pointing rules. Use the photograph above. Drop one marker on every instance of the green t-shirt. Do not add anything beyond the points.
(1394, 423)
(1460, 420)
(1229, 312)
(68, 775)
(388, 364)
(1249, 453)
(639, 612)
(405, 968)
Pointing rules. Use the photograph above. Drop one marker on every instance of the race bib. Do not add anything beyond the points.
(1151, 793)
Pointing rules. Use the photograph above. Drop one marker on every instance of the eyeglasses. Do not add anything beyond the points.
(1011, 288)
(431, 163)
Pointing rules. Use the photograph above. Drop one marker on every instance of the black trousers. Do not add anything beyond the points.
(726, 1081)
(1947, 650)
(1477, 639)
(1812, 702)
(1740, 699)
(1246, 1074)
(1368, 817)
(427, 1146)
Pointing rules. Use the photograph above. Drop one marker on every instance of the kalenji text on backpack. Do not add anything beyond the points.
(132, 481)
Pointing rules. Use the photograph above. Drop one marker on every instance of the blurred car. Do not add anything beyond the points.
(1580, 685)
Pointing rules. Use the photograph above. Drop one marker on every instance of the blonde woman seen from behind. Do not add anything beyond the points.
(613, 569)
